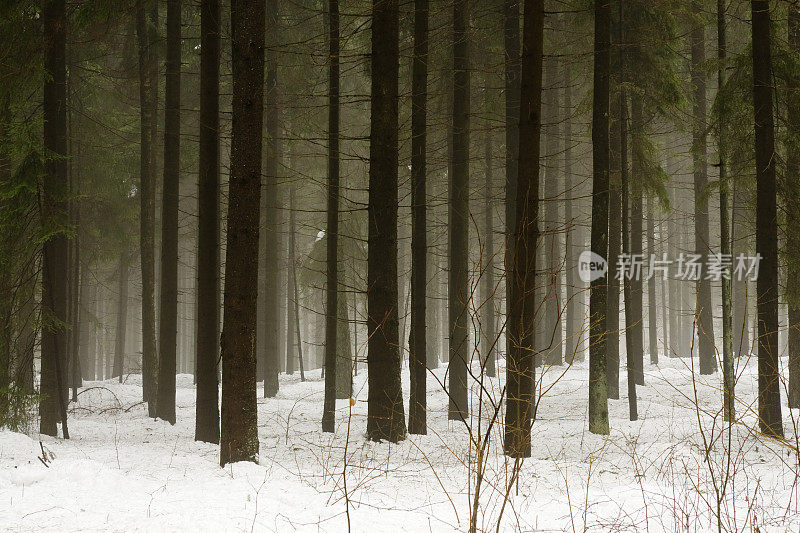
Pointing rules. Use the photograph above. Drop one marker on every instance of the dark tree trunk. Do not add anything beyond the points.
(618, 165)
(666, 318)
(344, 356)
(122, 316)
(627, 289)
(52, 405)
(6, 303)
(511, 48)
(634, 317)
(332, 233)
(792, 200)
(208, 249)
(673, 349)
(385, 415)
(521, 329)
(417, 357)
(296, 305)
(551, 245)
(488, 322)
(270, 357)
(291, 338)
(76, 375)
(458, 282)
(168, 308)
(769, 392)
(572, 313)
(704, 310)
(148, 88)
(652, 304)
(741, 295)
(728, 371)
(598, 328)
(239, 435)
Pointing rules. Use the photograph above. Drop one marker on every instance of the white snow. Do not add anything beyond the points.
(123, 471)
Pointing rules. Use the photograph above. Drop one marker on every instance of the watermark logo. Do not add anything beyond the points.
(687, 267)
(591, 266)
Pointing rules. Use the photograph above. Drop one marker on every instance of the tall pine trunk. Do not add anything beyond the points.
(385, 413)
(291, 340)
(208, 249)
(728, 376)
(598, 392)
(168, 308)
(652, 304)
(52, 403)
(332, 233)
(122, 316)
(702, 243)
(458, 281)
(769, 393)
(523, 305)
(627, 289)
(551, 246)
(417, 357)
(634, 320)
(617, 165)
(511, 80)
(792, 199)
(148, 88)
(270, 297)
(488, 323)
(239, 429)
(572, 315)
(741, 294)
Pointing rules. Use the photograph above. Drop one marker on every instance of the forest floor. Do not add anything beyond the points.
(675, 469)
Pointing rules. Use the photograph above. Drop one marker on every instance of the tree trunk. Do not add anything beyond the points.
(296, 305)
(634, 322)
(673, 296)
(521, 329)
(6, 300)
(704, 309)
(270, 358)
(76, 377)
(728, 372)
(618, 165)
(741, 309)
(417, 355)
(652, 305)
(792, 200)
(291, 340)
(148, 87)
(344, 355)
(598, 328)
(332, 233)
(551, 245)
(208, 248)
(511, 48)
(52, 405)
(488, 322)
(385, 416)
(769, 393)
(573, 312)
(627, 287)
(122, 316)
(239, 435)
(458, 282)
(168, 308)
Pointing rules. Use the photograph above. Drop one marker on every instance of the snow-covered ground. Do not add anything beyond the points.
(122, 471)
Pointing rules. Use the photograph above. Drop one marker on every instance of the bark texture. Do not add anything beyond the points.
(239, 431)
